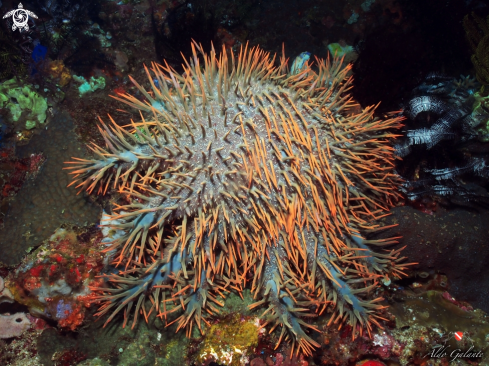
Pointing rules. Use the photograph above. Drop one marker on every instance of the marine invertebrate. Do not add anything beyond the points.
(27, 107)
(11, 325)
(448, 113)
(59, 72)
(238, 174)
(89, 86)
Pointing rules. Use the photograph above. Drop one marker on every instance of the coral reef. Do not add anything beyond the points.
(449, 241)
(477, 32)
(41, 206)
(61, 22)
(54, 280)
(70, 30)
(242, 174)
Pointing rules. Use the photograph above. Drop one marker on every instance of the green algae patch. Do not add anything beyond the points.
(229, 341)
(26, 107)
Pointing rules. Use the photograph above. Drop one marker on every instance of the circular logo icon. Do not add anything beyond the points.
(20, 17)
(458, 336)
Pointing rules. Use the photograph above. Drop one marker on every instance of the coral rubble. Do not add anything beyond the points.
(242, 174)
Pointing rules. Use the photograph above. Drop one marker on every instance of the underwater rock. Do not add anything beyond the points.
(452, 242)
(5, 294)
(42, 206)
(440, 319)
(121, 60)
(138, 353)
(420, 323)
(14, 174)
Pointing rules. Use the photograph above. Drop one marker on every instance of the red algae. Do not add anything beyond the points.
(54, 281)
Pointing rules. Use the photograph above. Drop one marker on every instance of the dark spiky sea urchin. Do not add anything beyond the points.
(242, 172)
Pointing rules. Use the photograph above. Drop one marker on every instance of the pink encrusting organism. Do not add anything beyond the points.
(11, 325)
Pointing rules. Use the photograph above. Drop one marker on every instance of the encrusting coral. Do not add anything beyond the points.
(11, 325)
(244, 174)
